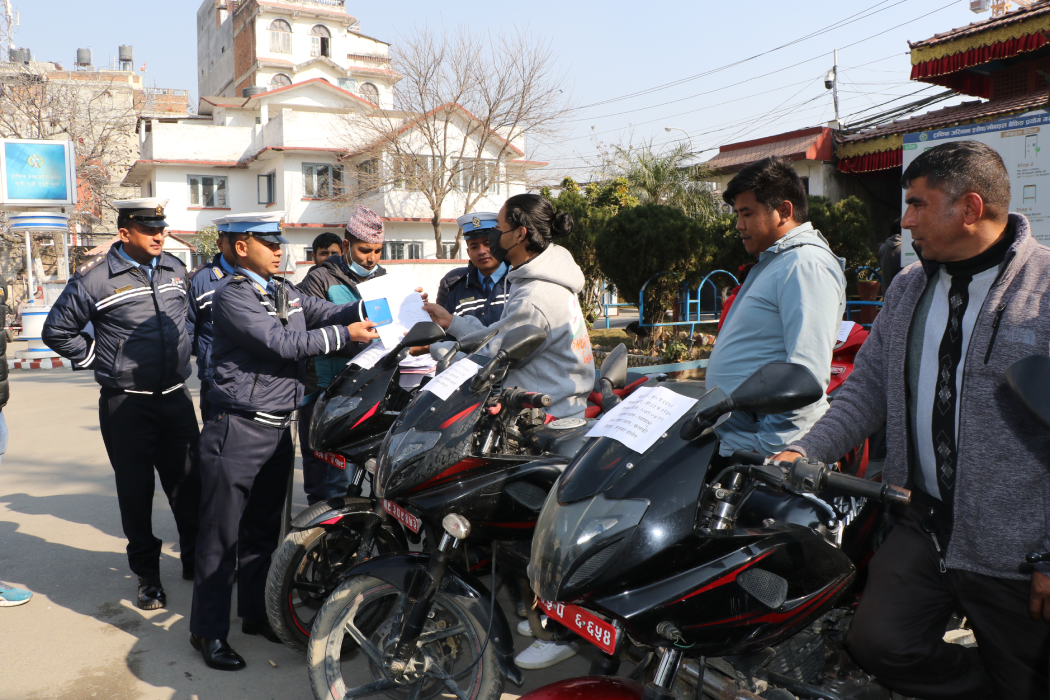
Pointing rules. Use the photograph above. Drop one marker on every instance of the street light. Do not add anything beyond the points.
(669, 129)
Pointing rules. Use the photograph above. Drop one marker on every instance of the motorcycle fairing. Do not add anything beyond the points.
(335, 423)
(407, 571)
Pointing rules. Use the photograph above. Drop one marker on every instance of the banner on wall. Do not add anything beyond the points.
(36, 172)
(1019, 140)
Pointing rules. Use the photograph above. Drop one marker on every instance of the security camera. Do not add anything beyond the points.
(829, 79)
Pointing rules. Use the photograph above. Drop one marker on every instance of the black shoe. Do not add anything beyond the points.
(217, 653)
(151, 593)
(260, 627)
(188, 573)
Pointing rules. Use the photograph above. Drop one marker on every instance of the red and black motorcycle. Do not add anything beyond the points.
(738, 575)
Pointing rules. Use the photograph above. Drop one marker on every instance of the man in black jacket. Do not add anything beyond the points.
(264, 331)
(336, 280)
(135, 296)
(480, 288)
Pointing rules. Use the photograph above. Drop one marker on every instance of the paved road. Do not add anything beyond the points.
(60, 536)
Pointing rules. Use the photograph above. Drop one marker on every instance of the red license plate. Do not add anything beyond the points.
(403, 516)
(588, 625)
(336, 460)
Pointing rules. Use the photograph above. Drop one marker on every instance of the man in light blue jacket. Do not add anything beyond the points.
(788, 310)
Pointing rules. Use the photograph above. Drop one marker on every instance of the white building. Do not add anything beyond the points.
(281, 148)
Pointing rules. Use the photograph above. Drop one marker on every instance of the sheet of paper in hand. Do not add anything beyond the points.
(452, 378)
(367, 358)
(643, 417)
(404, 307)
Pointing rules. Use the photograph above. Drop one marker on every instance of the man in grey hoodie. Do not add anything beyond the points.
(789, 308)
(975, 459)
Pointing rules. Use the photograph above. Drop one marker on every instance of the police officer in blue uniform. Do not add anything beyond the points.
(264, 329)
(203, 284)
(480, 289)
(135, 297)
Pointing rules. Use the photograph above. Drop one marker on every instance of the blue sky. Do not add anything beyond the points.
(609, 51)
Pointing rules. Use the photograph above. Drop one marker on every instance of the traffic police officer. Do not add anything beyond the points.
(261, 342)
(135, 297)
(202, 288)
(480, 288)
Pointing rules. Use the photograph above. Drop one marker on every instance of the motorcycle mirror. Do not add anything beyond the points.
(472, 342)
(1029, 379)
(518, 343)
(777, 387)
(423, 333)
(614, 367)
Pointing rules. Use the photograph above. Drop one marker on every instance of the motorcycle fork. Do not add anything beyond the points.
(660, 687)
(420, 603)
(354, 490)
(368, 535)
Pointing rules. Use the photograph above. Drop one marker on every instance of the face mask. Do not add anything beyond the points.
(360, 271)
(496, 249)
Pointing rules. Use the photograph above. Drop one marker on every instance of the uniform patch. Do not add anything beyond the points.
(464, 300)
(176, 280)
(123, 289)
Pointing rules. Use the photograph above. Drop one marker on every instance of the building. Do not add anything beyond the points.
(257, 44)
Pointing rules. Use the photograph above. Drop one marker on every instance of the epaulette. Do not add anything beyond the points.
(89, 263)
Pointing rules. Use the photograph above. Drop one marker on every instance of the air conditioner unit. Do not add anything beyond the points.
(979, 5)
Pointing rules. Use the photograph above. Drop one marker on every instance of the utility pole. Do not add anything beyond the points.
(831, 82)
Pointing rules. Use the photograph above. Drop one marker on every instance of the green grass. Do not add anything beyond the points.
(610, 338)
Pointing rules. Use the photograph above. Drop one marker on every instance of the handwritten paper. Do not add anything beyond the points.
(643, 417)
(844, 330)
(452, 378)
(405, 306)
(368, 358)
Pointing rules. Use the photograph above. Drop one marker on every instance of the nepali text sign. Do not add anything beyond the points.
(37, 172)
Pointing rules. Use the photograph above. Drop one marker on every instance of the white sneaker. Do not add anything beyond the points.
(525, 629)
(544, 655)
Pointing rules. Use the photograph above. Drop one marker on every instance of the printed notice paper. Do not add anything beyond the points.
(844, 330)
(368, 358)
(404, 307)
(643, 417)
(452, 378)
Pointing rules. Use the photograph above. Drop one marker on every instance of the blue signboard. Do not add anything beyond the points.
(37, 172)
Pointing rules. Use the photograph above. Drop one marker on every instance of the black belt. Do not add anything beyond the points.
(274, 420)
(137, 392)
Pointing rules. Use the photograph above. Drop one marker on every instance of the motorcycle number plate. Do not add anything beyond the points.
(402, 516)
(586, 624)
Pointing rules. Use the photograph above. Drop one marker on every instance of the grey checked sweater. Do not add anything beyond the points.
(1002, 484)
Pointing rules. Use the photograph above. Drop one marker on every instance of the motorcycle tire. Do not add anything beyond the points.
(359, 598)
(289, 607)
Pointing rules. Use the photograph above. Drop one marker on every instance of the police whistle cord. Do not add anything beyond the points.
(286, 514)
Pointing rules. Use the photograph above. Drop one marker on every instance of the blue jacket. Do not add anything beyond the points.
(202, 290)
(259, 364)
(462, 293)
(789, 309)
(333, 282)
(141, 341)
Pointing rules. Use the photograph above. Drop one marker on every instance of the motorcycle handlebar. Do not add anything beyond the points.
(814, 477)
(518, 399)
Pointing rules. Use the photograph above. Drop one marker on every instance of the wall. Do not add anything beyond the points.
(197, 142)
(214, 49)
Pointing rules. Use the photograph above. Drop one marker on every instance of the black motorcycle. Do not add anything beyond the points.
(477, 465)
(746, 570)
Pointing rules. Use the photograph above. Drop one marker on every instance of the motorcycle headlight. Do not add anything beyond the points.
(409, 444)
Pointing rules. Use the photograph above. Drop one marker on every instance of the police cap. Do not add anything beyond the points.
(477, 224)
(266, 226)
(145, 211)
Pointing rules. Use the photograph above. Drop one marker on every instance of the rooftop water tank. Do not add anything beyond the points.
(255, 90)
(83, 57)
(126, 53)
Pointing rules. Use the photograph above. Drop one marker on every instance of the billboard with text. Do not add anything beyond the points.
(36, 172)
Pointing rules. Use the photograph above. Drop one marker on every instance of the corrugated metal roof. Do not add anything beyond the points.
(984, 25)
(794, 147)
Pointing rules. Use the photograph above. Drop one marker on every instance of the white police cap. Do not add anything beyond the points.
(477, 224)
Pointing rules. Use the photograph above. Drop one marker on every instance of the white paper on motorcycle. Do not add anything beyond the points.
(584, 623)
(403, 516)
(452, 378)
(367, 358)
(643, 417)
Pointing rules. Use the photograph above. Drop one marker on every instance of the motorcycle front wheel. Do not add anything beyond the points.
(369, 611)
(305, 569)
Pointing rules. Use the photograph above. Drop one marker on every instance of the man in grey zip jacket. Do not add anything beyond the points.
(975, 459)
(788, 310)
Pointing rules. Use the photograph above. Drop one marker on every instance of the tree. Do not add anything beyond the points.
(667, 178)
(206, 245)
(590, 208)
(462, 109)
(847, 227)
(643, 241)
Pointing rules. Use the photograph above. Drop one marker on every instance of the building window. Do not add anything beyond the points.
(280, 36)
(348, 84)
(449, 250)
(207, 191)
(412, 172)
(266, 188)
(320, 42)
(402, 250)
(370, 92)
(368, 174)
(479, 176)
(321, 181)
(280, 80)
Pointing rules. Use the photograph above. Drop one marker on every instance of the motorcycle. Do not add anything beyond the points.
(477, 464)
(349, 422)
(745, 570)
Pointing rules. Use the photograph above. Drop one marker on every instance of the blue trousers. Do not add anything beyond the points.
(321, 480)
(244, 474)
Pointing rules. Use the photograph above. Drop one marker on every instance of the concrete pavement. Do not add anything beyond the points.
(60, 536)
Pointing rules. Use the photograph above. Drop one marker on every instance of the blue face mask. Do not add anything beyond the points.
(360, 271)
